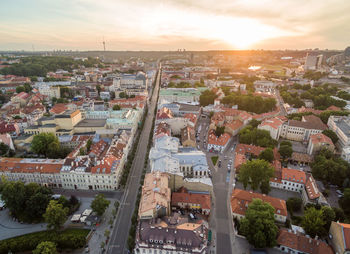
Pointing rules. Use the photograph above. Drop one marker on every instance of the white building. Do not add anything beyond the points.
(341, 126)
(272, 125)
(105, 95)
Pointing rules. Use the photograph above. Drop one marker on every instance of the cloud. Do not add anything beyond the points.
(172, 24)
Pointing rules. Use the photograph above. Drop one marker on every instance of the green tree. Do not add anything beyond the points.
(45, 248)
(123, 95)
(98, 88)
(55, 215)
(331, 134)
(116, 107)
(329, 168)
(329, 216)
(207, 97)
(294, 204)
(26, 202)
(345, 201)
(285, 151)
(88, 145)
(267, 155)
(313, 221)
(47, 144)
(259, 224)
(20, 89)
(100, 204)
(255, 173)
(219, 130)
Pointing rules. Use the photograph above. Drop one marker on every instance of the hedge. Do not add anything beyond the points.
(68, 239)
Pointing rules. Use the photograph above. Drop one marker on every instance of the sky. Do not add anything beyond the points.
(174, 24)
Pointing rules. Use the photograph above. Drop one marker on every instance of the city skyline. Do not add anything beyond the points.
(169, 25)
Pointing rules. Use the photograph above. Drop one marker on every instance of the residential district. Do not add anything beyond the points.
(175, 152)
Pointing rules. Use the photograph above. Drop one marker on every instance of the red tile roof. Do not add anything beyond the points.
(220, 141)
(320, 138)
(293, 175)
(164, 113)
(59, 108)
(191, 198)
(311, 188)
(241, 199)
(302, 243)
(19, 165)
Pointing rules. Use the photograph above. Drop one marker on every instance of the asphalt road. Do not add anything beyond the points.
(118, 240)
(220, 219)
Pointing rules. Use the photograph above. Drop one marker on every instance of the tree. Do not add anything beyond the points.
(250, 135)
(331, 134)
(254, 123)
(330, 168)
(207, 97)
(313, 221)
(99, 204)
(116, 107)
(259, 224)
(255, 173)
(345, 201)
(45, 144)
(285, 151)
(55, 215)
(219, 130)
(98, 88)
(123, 95)
(45, 248)
(20, 89)
(26, 202)
(88, 145)
(294, 204)
(329, 216)
(267, 155)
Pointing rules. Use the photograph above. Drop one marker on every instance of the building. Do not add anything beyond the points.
(319, 141)
(173, 235)
(339, 234)
(45, 172)
(341, 126)
(291, 242)
(185, 199)
(22, 99)
(273, 126)
(216, 143)
(345, 153)
(50, 91)
(7, 140)
(293, 179)
(182, 95)
(105, 95)
(264, 86)
(131, 81)
(156, 196)
(241, 199)
(302, 130)
(188, 137)
(313, 62)
(311, 193)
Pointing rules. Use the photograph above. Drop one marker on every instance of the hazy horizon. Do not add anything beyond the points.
(194, 25)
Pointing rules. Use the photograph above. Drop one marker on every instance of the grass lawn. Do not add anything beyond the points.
(214, 159)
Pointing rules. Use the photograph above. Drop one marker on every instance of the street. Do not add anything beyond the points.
(122, 225)
(220, 222)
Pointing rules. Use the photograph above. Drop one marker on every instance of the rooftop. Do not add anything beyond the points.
(91, 123)
(241, 199)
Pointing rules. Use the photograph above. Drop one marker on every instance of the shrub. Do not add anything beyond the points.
(67, 239)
